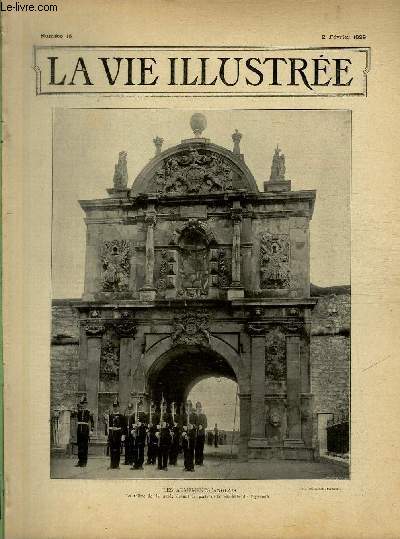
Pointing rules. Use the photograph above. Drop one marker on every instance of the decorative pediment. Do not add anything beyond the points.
(194, 168)
(194, 171)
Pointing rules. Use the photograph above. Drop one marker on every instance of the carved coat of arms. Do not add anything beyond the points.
(191, 328)
(193, 172)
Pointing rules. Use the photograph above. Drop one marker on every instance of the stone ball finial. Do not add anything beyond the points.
(198, 122)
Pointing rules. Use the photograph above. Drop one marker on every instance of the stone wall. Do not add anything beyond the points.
(64, 361)
(330, 352)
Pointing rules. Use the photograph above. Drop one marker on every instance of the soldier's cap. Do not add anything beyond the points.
(115, 403)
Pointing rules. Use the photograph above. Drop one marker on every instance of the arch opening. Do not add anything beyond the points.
(173, 375)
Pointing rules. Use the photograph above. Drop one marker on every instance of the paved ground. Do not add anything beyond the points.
(217, 465)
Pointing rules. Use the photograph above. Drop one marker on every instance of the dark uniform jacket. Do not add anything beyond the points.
(201, 421)
(116, 424)
(129, 421)
(165, 437)
(84, 422)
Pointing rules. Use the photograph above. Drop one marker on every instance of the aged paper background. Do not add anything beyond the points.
(367, 506)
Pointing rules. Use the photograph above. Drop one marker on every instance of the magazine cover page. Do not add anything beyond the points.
(199, 265)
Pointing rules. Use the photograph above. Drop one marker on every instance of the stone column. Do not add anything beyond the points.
(235, 289)
(138, 378)
(244, 404)
(94, 332)
(257, 332)
(125, 329)
(293, 384)
(148, 292)
(82, 376)
(236, 250)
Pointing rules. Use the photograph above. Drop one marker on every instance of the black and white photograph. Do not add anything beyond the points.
(200, 294)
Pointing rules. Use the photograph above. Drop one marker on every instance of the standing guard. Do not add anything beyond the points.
(201, 422)
(115, 432)
(191, 414)
(84, 418)
(164, 445)
(188, 444)
(176, 435)
(152, 440)
(140, 437)
(164, 437)
(129, 421)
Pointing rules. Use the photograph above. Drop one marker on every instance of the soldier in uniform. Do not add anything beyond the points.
(84, 419)
(174, 449)
(115, 432)
(188, 444)
(201, 422)
(164, 442)
(129, 421)
(140, 438)
(152, 440)
(191, 414)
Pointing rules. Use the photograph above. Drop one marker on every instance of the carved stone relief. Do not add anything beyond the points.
(276, 420)
(162, 272)
(194, 171)
(109, 360)
(191, 328)
(275, 355)
(220, 268)
(93, 328)
(167, 271)
(274, 260)
(193, 263)
(115, 265)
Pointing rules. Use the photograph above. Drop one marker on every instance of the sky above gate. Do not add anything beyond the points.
(316, 143)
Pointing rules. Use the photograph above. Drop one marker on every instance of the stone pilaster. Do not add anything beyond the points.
(245, 428)
(138, 381)
(257, 423)
(82, 376)
(148, 292)
(94, 333)
(293, 384)
(125, 329)
(235, 290)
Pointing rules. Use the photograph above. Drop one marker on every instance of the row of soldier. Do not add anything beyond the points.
(164, 433)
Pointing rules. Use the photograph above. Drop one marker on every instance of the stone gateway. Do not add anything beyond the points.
(192, 271)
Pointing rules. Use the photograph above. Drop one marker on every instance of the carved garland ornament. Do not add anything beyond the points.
(274, 260)
(191, 328)
(194, 171)
(116, 265)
